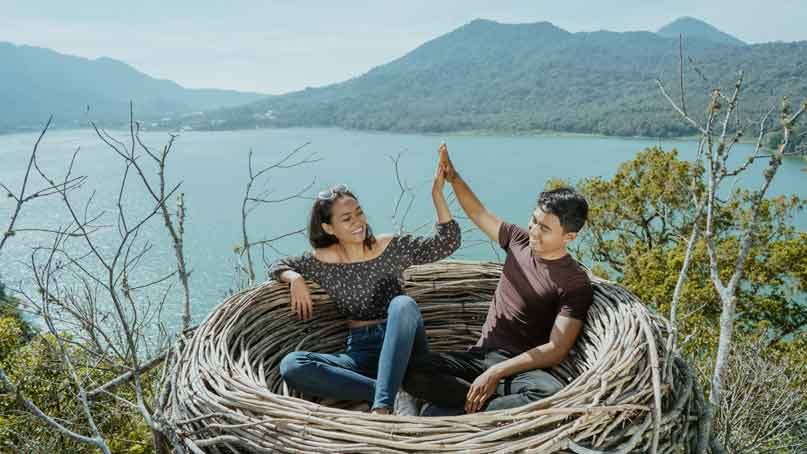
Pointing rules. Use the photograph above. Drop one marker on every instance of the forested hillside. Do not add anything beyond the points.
(37, 82)
(527, 77)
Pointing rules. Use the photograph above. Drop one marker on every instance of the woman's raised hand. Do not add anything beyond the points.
(439, 179)
(440, 176)
(301, 303)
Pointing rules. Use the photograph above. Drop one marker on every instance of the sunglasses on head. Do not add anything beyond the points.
(331, 193)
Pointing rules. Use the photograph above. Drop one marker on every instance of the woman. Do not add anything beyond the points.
(363, 274)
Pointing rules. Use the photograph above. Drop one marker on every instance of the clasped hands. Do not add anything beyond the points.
(444, 164)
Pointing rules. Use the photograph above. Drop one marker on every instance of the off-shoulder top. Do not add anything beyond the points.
(363, 290)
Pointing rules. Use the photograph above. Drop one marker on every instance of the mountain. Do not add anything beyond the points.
(535, 77)
(35, 82)
(691, 27)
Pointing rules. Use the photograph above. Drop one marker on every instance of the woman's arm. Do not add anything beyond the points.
(289, 276)
(286, 270)
(440, 204)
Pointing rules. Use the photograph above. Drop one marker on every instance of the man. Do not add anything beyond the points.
(536, 314)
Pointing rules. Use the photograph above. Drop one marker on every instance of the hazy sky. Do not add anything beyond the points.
(279, 46)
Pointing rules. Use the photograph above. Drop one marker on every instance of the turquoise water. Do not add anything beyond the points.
(506, 173)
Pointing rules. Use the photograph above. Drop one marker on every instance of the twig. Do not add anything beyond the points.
(255, 201)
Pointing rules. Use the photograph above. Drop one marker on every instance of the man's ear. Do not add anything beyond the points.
(328, 228)
(569, 237)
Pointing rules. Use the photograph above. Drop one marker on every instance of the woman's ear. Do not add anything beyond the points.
(328, 228)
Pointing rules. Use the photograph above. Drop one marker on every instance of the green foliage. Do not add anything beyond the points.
(646, 205)
(640, 222)
(10, 337)
(36, 367)
(15, 331)
(639, 225)
(9, 309)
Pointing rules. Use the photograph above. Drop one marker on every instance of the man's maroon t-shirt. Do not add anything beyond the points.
(531, 293)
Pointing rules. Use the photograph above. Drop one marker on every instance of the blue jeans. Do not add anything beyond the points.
(373, 367)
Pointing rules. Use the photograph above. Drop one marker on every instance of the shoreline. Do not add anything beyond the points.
(459, 133)
(747, 140)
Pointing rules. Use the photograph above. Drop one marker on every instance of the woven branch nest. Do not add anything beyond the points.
(625, 390)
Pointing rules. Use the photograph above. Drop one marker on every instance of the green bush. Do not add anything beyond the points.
(35, 365)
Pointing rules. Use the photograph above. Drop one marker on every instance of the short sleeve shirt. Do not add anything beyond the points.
(531, 293)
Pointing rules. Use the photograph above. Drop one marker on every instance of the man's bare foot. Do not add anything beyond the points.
(381, 411)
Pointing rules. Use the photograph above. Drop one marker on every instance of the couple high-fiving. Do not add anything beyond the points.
(535, 317)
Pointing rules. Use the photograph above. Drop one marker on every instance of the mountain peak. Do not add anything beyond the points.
(541, 25)
(692, 27)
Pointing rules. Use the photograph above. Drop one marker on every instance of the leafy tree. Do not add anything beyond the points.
(9, 310)
(34, 362)
(646, 205)
(640, 220)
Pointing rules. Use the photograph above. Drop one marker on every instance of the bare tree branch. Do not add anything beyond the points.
(22, 198)
(126, 377)
(250, 202)
(681, 72)
(684, 115)
(405, 191)
(718, 149)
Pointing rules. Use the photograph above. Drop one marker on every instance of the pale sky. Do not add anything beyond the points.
(276, 46)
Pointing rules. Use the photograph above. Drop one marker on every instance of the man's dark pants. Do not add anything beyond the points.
(445, 378)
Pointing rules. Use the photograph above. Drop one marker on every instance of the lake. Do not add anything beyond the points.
(506, 173)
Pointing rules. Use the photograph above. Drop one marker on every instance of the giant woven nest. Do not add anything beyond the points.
(625, 392)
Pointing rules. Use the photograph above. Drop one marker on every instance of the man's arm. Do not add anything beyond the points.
(484, 219)
(561, 340)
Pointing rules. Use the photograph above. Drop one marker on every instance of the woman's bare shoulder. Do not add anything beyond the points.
(384, 239)
(326, 254)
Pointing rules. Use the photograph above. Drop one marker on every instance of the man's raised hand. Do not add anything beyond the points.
(445, 163)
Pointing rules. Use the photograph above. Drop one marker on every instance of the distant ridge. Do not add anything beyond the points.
(514, 78)
(691, 27)
(482, 76)
(36, 82)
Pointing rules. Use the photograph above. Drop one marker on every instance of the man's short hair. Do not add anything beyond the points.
(568, 205)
